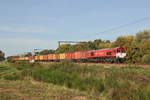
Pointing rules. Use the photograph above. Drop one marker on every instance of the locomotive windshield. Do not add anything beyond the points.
(123, 51)
(118, 51)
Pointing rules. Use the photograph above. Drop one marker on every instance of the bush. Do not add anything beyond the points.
(146, 59)
(25, 65)
(55, 77)
(111, 81)
(13, 76)
(79, 83)
(65, 66)
(94, 84)
(26, 72)
(143, 94)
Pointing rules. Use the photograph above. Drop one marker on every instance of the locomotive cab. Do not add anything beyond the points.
(121, 54)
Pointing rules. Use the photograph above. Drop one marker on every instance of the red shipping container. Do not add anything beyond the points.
(45, 57)
(57, 56)
(31, 58)
(68, 56)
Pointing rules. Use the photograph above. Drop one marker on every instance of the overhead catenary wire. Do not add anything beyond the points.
(119, 27)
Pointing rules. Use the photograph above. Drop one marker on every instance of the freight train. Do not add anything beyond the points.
(112, 55)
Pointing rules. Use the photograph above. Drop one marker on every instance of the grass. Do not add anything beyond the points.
(29, 89)
(94, 81)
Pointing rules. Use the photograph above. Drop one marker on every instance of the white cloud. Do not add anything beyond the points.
(13, 46)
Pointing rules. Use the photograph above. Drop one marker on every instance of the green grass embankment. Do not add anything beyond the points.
(97, 82)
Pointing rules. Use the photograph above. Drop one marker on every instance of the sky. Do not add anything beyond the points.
(26, 25)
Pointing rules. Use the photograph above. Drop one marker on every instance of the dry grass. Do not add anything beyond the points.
(29, 89)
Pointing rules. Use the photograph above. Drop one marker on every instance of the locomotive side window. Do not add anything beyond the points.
(114, 51)
(108, 53)
(123, 51)
(92, 54)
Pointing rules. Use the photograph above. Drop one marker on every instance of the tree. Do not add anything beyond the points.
(104, 45)
(146, 59)
(2, 56)
(45, 52)
(28, 54)
(145, 35)
(63, 48)
(97, 42)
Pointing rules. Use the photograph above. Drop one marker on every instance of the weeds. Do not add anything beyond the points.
(13, 76)
(124, 83)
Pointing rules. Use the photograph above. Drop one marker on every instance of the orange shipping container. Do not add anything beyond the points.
(45, 57)
(37, 58)
(50, 56)
(54, 57)
(77, 55)
(81, 55)
(73, 56)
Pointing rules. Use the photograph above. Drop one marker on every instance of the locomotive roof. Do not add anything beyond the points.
(106, 49)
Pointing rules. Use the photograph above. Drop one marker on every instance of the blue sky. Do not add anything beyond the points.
(29, 24)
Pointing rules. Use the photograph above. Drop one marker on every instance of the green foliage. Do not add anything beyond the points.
(95, 84)
(54, 77)
(2, 56)
(145, 35)
(45, 52)
(143, 94)
(146, 59)
(12, 76)
(110, 81)
(63, 48)
(65, 66)
(115, 83)
(28, 54)
(25, 65)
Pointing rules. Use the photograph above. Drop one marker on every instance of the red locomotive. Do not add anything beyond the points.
(108, 55)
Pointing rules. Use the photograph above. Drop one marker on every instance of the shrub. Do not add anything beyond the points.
(25, 65)
(55, 77)
(26, 72)
(146, 59)
(79, 83)
(94, 84)
(110, 81)
(65, 66)
(13, 76)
